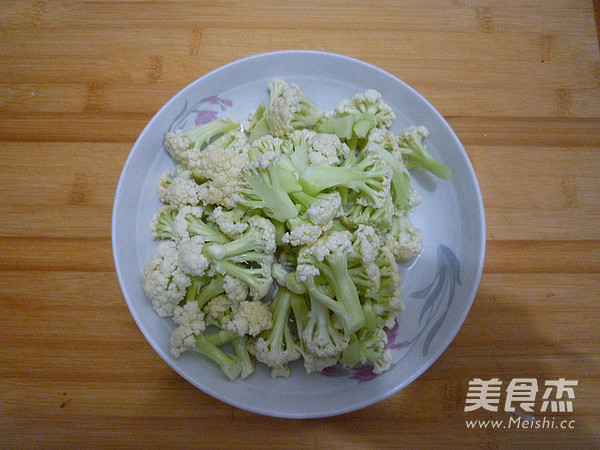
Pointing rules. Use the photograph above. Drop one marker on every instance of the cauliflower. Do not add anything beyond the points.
(317, 219)
(190, 221)
(403, 239)
(302, 233)
(241, 317)
(162, 225)
(277, 346)
(190, 315)
(368, 174)
(331, 256)
(190, 321)
(191, 259)
(327, 149)
(369, 347)
(367, 244)
(235, 289)
(250, 318)
(219, 310)
(185, 145)
(164, 282)
(411, 144)
(324, 210)
(221, 168)
(182, 339)
(289, 109)
(280, 241)
(180, 190)
(230, 222)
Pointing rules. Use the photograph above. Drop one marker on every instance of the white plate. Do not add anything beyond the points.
(450, 216)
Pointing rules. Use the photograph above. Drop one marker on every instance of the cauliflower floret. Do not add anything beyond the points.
(182, 339)
(327, 149)
(262, 161)
(164, 282)
(180, 190)
(302, 234)
(369, 102)
(313, 363)
(266, 233)
(181, 224)
(163, 223)
(220, 309)
(289, 109)
(229, 221)
(222, 169)
(403, 239)
(185, 145)
(368, 243)
(235, 289)
(334, 241)
(325, 210)
(236, 140)
(191, 315)
(413, 130)
(318, 219)
(385, 138)
(191, 259)
(305, 271)
(274, 358)
(251, 318)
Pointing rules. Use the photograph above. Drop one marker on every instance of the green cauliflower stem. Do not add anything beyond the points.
(261, 188)
(230, 365)
(259, 236)
(329, 257)
(411, 144)
(257, 277)
(356, 214)
(313, 362)
(205, 288)
(184, 145)
(240, 347)
(355, 117)
(368, 175)
(278, 346)
(368, 347)
(162, 225)
(403, 195)
(287, 279)
(190, 222)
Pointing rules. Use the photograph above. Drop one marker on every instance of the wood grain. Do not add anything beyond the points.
(519, 82)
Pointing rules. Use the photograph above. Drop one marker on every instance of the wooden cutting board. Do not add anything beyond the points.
(519, 81)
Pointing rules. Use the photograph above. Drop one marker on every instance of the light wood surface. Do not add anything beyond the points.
(518, 80)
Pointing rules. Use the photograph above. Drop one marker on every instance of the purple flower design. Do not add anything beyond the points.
(205, 116)
(222, 102)
(202, 111)
(363, 373)
(392, 334)
(333, 371)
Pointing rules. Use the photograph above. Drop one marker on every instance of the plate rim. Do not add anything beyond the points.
(456, 325)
